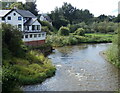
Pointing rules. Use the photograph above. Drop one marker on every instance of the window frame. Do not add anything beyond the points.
(3, 18)
(19, 18)
(19, 26)
(9, 18)
(26, 36)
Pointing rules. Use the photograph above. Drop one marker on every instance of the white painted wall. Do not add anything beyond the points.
(42, 37)
(42, 18)
(14, 19)
(1, 21)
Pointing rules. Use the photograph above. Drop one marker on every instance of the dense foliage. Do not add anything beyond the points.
(57, 40)
(113, 53)
(80, 31)
(21, 65)
(31, 6)
(63, 31)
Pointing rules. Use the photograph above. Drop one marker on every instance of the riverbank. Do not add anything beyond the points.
(35, 68)
(20, 64)
(103, 54)
(57, 40)
(82, 68)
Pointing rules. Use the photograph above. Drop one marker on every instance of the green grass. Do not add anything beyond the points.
(99, 34)
(34, 68)
(112, 52)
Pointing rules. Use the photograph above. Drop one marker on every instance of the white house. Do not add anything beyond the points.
(45, 17)
(26, 22)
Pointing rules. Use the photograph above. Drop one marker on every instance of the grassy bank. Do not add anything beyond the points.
(112, 52)
(20, 64)
(35, 68)
(57, 40)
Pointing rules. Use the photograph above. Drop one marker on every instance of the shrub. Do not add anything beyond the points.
(45, 23)
(9, 81)
(12, 41)
(45, 29)
(80, 31)
(64, 31)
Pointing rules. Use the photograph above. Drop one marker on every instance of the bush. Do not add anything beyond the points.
(46, 29)
(80, 31)
(12, 41)
(45, 23)
(64, 31)
(9, 81)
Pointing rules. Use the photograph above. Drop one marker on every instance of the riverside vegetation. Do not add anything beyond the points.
(21, 66)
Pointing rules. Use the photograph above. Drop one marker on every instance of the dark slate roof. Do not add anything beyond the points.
(4, 12)
(25, 13)
(47, 17)
(30, 21)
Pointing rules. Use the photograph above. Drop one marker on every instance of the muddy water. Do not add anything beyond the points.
(80, 68)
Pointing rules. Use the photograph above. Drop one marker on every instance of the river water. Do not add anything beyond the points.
(80, 68)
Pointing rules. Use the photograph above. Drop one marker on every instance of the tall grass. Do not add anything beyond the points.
(35, 68)
(112, 52)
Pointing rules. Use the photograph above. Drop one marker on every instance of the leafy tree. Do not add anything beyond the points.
(68, 14)
(11, 41)
(117, 19)
(45, 23)
(31, 6)
(6, 5)
(80, 31)
(63, 31)
(18, 5)
(45, 29)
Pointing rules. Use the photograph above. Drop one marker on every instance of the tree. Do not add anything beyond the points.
(80, 31)
(18, 5)
(31, 6)
(6, 5)
(46, 23)
(11, 41)
(63, 31)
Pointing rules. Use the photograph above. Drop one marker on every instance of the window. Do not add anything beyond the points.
(14, 14)
(30, 35)
(26, 36)
(33, 27)
(42, 35)
(3, 18)
(35, 35)
(19, 18)
(39, 35)
(9, 17)
(38, 27)
(27, 27)
(19, 26)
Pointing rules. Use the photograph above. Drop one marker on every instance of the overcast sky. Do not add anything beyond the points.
(97, 7)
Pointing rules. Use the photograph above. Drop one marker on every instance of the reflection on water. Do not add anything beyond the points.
(80, 68)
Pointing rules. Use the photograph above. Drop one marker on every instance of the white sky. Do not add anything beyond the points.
(97, 7)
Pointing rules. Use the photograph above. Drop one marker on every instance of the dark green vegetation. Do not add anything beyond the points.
(57, 40)
(70, 26)
(21, 66)
(74, 26)
(31, 6)
(113, 53)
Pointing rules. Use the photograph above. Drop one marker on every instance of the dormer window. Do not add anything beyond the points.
(19, 18)
(9, 17)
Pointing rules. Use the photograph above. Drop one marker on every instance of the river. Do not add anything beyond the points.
(80, 68)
